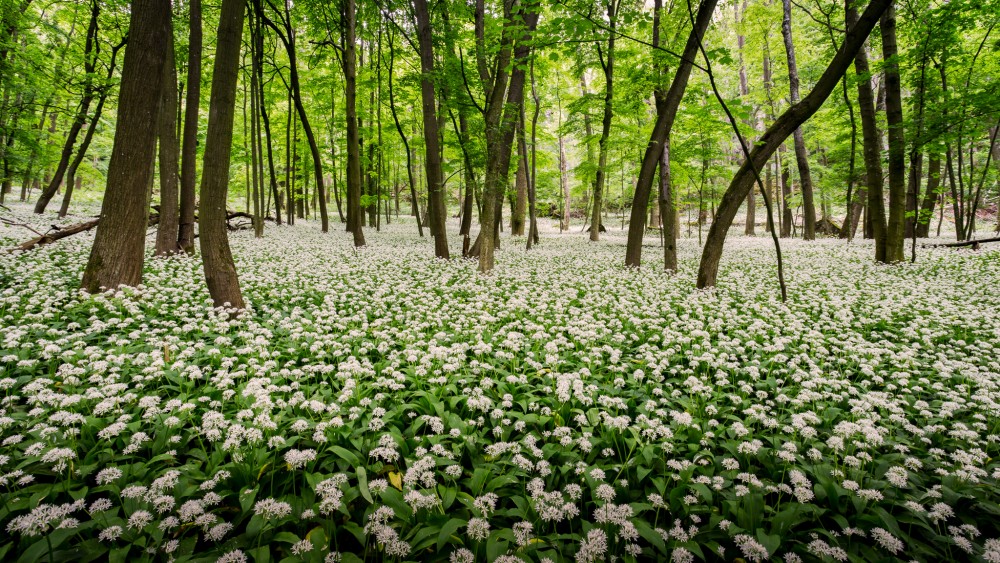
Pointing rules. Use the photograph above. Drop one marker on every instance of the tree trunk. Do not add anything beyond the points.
(89, 135)
(220, 271)
(533, 177)
(608, 65)
(116, 257)
(895, 232)
(406, 145)
(189, 143)
(353, 141)
(665, 114)
(769, 142)
(166, 231)
(931, 195)
(520, 205)
(432, 139)
(801, 154)
(91, 49)
(500, 125)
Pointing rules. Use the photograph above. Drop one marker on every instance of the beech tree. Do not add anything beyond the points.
(116, 257)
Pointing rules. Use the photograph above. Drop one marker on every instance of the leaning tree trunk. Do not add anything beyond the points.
(117, 255)
(166, 231)
(189, 142)
(801, 154)
(665, 115)
(776, 134)
(220, 271)
(432, 139)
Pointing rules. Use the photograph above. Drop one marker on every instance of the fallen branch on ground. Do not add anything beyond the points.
(973, 243)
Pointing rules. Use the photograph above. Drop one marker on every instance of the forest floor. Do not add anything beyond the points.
(384, 405)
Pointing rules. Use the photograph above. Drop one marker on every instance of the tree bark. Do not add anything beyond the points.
(166, 231)
(351, 115)
(116, 257)
(220, 271)
(895, 231)
(501, 120)
(608, 65)
(665, 114)
(769, 142)
(91, 129)
(801, 154)
(432, 139)
(189, 142)
(91, 51)
(931, 195)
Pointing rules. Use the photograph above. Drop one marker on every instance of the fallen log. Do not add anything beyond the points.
(973, 243)
(58, 233)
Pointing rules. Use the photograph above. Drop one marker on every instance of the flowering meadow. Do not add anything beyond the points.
(382, 405)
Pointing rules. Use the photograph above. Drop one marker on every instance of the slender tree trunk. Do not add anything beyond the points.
(220, 271)
(406, 145)
(432, 139)
(520, 195)
(931, 195)
(895, 232)
(90, 52)
(189, 143)
(353, 140)
(871, 141)
(532, 181)
(166, 230)
(608, 65)
(751, 220)
(116, 257)
(89, 135)
(801, 154)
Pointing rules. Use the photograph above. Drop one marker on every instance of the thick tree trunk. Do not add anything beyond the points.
(895, 232)
(769, 142)
(801, 154)
(116, 257)
(665, 115)
(351, 115)
(432, 139)
(189, 142)
(220, 271)
(166, 231)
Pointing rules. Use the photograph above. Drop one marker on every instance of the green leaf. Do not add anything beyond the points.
(363, 485)
(448, 530)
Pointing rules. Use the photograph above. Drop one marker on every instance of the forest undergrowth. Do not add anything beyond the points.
(383, 405)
